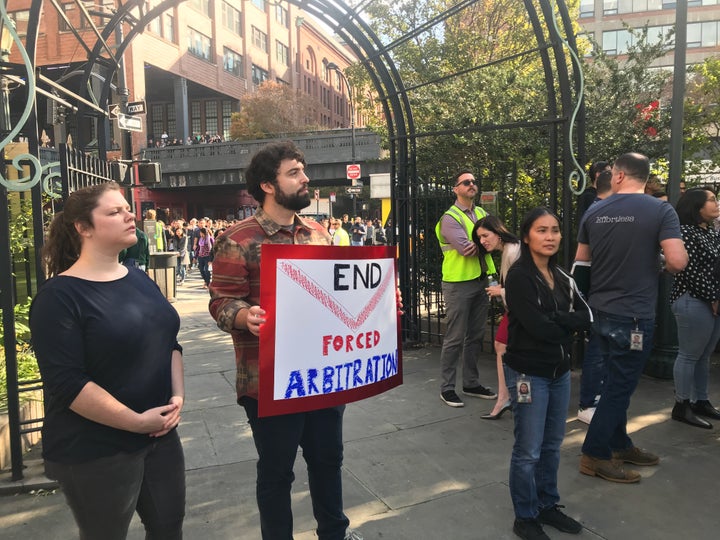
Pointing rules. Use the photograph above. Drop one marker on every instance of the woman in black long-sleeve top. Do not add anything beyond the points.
(106, 343)
(544, 312)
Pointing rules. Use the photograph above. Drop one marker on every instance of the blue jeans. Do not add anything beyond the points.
(467, 308)
(204, 267)
(698, 333)
(277, 438)
(608, 429)
(593, 372)
(539, 432)
(181, 270)
(103, 494)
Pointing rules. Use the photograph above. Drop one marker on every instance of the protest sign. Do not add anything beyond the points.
(331, 334)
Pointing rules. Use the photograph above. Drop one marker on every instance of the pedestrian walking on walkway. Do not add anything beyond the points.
(106, 343)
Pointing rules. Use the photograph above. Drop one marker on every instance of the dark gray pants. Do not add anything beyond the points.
(103, 494)
(466, 308)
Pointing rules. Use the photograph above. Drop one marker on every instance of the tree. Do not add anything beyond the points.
(627, 101)
(702, 114)
(465, 76)
(275, 108)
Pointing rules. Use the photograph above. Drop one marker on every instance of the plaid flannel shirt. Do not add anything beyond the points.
(236, 282)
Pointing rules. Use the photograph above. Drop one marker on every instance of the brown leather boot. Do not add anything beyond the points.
(608, 469)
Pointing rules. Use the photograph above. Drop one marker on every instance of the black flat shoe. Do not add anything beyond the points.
(490, 416)
(683, 413)
(703, 407)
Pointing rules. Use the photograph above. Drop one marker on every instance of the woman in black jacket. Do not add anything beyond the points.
(544, 312)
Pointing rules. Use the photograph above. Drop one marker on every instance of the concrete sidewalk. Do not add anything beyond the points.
(414, 467)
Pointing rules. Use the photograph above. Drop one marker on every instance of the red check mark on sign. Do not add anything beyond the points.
(327, 300)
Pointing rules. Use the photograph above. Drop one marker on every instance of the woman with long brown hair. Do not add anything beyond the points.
(490, 234)
(106, 343)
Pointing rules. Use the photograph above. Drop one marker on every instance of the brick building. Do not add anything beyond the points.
(605, 20)
(194, 63)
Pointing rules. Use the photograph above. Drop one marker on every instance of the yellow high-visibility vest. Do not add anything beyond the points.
(456, 267)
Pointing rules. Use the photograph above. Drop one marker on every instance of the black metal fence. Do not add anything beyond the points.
(76, 170)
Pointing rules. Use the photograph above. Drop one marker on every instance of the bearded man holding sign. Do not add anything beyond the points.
(276, 179)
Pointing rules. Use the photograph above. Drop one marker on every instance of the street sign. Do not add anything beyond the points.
(352, 190)
(353, 171)
(113, 111)
(317, 194)
(129, 123)
(136, 107)
(332, 196)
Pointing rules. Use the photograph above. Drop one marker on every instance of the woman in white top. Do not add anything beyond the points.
(490, 234)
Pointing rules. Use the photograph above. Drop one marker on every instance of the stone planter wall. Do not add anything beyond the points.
(30, 409)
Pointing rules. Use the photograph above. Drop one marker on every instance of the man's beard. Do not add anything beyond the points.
(293, 201)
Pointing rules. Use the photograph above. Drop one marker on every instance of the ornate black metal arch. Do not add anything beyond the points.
(554, 38)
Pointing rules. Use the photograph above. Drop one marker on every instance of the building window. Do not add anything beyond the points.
(324, 73)
(199, 44)
(171, 123)
(638, 6)
(231, 19)
(259, 75)
(260, 4)
(232, 62)
(20, 18)
(201, 5)
(158, 121)
(703, 34)
(259, 39)
(282, 53)
(281, 15)
(587, 8)
(195, 120)
(169, 27)
(71, 12)
(211, 118)
(155, 26)
(226, 118)
(610, 7)
(617, 41)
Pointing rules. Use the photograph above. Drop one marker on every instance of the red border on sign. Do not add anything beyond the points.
(270, 253)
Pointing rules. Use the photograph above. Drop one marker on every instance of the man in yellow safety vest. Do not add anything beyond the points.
(464, 280)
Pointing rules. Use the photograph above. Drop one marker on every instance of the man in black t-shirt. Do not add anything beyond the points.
(622, 236)
(357, 233)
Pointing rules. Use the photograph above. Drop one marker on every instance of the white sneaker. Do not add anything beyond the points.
(585, 415)
(353, 535)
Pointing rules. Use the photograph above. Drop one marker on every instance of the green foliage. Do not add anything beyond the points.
(702, 114)
(20, 224)
(275, 108)
(618, 95)
(26, 363)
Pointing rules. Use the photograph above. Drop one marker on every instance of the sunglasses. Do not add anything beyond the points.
(466, 183)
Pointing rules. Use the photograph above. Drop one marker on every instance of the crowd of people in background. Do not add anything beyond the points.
(193, 240)
(358, 232)
(195, 138)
